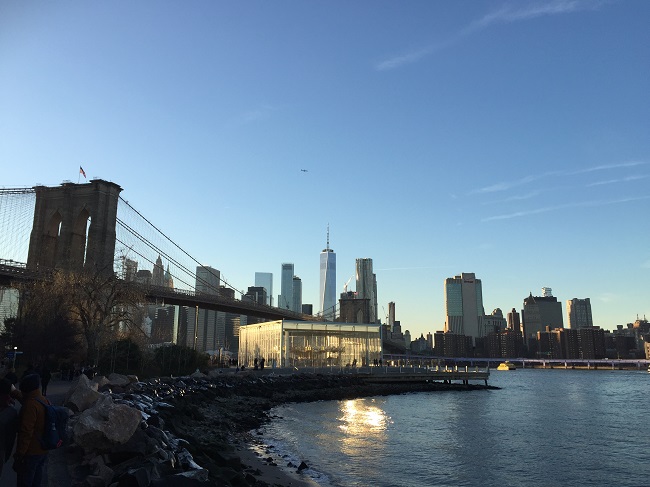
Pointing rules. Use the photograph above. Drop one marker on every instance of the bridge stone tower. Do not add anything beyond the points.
(74, 227)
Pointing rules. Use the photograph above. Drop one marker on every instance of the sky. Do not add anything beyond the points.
(510, 139)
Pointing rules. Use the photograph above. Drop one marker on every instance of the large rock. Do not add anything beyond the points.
(82, 394)
(106, 425)
(118, 380)
(101, 381)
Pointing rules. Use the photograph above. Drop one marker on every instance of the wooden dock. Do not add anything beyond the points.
(418, 375)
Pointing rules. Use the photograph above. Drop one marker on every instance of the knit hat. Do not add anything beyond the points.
(30, 383)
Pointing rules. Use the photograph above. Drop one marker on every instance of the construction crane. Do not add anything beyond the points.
(345, 286)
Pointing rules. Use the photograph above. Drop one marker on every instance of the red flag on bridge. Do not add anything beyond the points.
(81, 171)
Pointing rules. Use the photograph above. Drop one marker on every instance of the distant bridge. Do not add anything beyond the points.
(520, 362)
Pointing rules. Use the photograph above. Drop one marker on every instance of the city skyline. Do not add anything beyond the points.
(503, 139)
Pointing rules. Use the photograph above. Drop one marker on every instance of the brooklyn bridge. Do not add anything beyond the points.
(90, 227)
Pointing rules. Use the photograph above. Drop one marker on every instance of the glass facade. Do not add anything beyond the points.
(310, 344)
(285, 300)
(265, 280)
(454, 299)
(328, 284)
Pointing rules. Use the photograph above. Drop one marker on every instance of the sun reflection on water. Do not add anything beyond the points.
(363, 425)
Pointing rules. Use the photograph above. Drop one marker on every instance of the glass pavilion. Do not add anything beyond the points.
(287, 343)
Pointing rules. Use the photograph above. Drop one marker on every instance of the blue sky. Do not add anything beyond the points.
(508, 139)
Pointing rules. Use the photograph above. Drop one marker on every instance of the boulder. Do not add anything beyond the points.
(138, 477)
(200, 474)
(106, 425)
(105, 474)
(100, 380)
(82, 394)
(118, 380)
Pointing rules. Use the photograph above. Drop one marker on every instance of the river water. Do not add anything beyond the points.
(542, 428)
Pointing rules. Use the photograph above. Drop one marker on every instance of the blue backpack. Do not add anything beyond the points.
(56, 422)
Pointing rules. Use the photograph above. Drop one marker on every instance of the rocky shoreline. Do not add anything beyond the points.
(192, 430)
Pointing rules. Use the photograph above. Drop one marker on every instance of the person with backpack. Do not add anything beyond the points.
(30, 457)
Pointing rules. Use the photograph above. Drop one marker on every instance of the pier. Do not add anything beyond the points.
(446, 374)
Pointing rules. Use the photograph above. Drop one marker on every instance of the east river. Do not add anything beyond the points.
(543, 428)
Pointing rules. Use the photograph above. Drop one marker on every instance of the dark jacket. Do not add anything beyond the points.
(8, 425)
(31, 424)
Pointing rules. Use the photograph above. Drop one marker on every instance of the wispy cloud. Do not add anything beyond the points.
(506, 185)
(408, 58)
(620, 180)
(520, 197)
(608, 297)
(260, 113)
(506, 14)
(604, 167)
(517, 12)
(582, 204)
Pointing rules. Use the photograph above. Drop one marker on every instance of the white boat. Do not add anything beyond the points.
(507, 366)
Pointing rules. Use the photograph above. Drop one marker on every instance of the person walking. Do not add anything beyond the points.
(8, 422)
(30, 457)
(46, 375)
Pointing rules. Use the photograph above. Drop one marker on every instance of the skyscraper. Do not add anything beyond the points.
(328, 282)
(265, 280)
(514, 322)
(464, 305)
(285, 299)
(297, 295)
(391, 315)
(158, 274)
(205, 324)
(207, 280)
(540, 312)
(367, 286)
(579, 313)
(168, 280)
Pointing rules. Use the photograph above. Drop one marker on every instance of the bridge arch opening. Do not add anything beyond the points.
(51, 240)
(79, 240)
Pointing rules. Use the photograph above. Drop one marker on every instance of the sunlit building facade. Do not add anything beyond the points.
(265, 280)
(297, 295)
(579, 313)
(367, 286)
(287, 343)
(541, 312)
(328, 282)
(285, 299)
(464, 306)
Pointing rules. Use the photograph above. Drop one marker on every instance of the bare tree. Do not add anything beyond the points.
(104, 307)
(100, 305)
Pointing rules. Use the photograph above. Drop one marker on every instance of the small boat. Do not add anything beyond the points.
(507, 366)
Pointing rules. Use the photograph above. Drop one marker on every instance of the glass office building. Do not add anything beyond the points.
(287, 343)
(328, 282)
